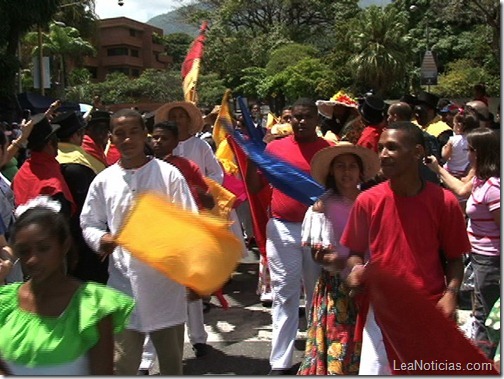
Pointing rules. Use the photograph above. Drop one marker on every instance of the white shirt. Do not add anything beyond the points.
(200, 152)
(160, 302)
(458, 162)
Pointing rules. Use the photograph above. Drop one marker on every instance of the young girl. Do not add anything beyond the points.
(454, 152)
(53, 324)
(330, 347)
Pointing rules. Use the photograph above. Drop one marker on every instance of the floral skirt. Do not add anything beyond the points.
(330, 347)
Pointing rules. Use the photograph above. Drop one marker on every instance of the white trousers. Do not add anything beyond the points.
(288, 262)
(195, 323)
(374, 360)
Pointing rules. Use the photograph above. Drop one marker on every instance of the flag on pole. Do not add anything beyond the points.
(191, 65)
(224, 153)
(195, 250)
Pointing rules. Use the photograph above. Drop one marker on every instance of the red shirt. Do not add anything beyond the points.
(370, 137)
(299, 155)
(192, 174)
(406, 234)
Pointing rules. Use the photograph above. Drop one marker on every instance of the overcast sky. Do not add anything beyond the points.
(139, 10)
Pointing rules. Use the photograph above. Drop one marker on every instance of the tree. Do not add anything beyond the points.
(63, 42)
(16, 18)
(176, 45)
(379, 49)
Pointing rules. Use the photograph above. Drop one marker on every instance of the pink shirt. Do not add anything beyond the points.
(484, 233)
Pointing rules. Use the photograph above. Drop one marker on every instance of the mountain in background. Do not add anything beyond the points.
(173, 22)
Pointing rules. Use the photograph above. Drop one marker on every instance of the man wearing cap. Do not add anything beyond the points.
(288, 261)
(79, 169)
(97, 135)
(41, 173)
(427, 117)
(372, 112)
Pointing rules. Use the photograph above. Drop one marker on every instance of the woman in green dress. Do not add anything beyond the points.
(54, 324)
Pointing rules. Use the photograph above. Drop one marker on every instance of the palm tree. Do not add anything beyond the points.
(379, 48)
(63, 42)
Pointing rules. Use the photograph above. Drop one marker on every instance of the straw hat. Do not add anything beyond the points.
(325, 107)
(321, 161)
(191, 109)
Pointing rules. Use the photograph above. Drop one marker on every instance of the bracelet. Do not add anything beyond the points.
(452, 290)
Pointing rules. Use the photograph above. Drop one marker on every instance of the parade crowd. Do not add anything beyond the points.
(410, 202)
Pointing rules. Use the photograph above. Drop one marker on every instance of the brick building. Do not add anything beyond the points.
(127, 46)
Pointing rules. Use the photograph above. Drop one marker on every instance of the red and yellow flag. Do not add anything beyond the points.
(224, 153)
(191, 65)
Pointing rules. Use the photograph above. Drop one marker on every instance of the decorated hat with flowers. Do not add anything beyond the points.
(325, 107)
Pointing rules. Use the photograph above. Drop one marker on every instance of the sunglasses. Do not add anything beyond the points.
(470, 148)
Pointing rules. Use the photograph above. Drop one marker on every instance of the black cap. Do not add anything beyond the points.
(98, 117)
(372, 109)
(69, 122)
(42, 131)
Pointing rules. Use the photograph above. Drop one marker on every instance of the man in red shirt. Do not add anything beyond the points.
(287, 260)
(405, 223)
(372, 112)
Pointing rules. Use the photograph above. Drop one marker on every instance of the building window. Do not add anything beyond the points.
(134, 53)
(135, 72)
(123, 70)
(114, 51)
(133, 33)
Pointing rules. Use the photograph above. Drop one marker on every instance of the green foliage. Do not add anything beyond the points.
(288, 55)
(461, 76)
(176, 45)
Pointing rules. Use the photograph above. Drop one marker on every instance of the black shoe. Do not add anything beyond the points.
(200, 349)
(280, 371)
(143, 372)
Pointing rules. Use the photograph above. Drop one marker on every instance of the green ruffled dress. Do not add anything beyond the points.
(31, 344)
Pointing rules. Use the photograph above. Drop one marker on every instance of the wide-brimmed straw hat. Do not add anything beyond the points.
(191, 109)
(321, 161)
(325, 107)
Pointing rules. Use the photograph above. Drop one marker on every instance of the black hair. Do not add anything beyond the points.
(486, 144)
(330, 182)
(170, 126)
(305, 102)
(469, 123)
(55, 223)
(128, 113)
(412, 131)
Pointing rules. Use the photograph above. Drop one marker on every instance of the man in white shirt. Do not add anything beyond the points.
(161, 303)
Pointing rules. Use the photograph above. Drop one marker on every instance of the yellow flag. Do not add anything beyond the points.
(271, 120)
(219, 132)
(224, 199)
(224, 153)
(195, 250)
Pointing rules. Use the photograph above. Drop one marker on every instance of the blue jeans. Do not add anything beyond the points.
(486, 292)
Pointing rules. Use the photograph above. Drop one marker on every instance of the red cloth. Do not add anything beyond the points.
(258, 202)
(236, 186)
(94, 150)
(370, 137)
(416, 332)
(299, 155)
(113, 155)
(192, 174)
(408, 233)
(196, 50)
(40, 175)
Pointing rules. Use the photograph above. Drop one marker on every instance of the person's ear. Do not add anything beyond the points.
(419, 152)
